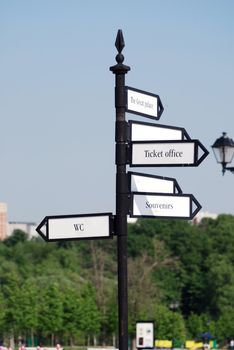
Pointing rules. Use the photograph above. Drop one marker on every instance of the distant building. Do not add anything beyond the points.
(7, 228)
(28, 227)
(3, 221)
(202, 215)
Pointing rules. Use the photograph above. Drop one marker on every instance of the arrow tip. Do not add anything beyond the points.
(42, 229)
(204, 155)
(196, 207)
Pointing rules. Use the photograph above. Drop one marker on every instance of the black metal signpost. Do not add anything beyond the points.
(138, 195)
(122, 200)
(148, 105)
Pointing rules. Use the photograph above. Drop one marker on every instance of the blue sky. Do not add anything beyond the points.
(57, 97)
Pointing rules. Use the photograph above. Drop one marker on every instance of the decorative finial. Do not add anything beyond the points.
(119, 44)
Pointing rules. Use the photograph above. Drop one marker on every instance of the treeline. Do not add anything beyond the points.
(180, 275)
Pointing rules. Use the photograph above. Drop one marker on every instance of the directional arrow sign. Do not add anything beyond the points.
(72, 227)
(140, 131)
(183, 206)
(143, 103)
(150, 183)
(167, 153)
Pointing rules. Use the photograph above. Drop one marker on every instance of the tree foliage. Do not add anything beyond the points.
(67, 291)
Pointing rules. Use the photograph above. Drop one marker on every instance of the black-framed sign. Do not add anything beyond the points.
(139, 182)
(143, 103)
(141, 131)
(75, 227)
(145, 334)
(163, 205)
(167, 153)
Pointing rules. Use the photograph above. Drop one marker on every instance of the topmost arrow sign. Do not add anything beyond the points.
(143, 103)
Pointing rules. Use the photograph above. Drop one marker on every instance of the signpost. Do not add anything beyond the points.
(122, 190)
(73, 227)
(167, 153)
(176, 206)
(143, 103)
(149, 183)
(140, 131)
(139, 195)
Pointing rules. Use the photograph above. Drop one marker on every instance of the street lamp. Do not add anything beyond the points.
(174, 305)
(223, 149)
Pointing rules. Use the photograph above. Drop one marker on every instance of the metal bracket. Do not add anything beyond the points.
(122, 154)
(122, 131)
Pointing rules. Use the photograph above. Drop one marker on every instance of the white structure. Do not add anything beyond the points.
(3, 221)
(28, 227)
(202, 215)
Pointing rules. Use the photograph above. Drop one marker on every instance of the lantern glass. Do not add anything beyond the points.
(223, 149)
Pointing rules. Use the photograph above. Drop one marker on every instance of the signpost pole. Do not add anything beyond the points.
(122, 199)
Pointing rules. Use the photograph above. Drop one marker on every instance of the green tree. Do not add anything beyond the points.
(16, 237)
(90, 316)
(220, 285)
(28, 299)
(71, 313)
(10, 286)
(51, 311)
(195, 326)
(2, 314)
(225, 325)
(168, 324)
(112, 316)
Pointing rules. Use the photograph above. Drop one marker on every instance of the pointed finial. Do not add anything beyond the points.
(119, 44)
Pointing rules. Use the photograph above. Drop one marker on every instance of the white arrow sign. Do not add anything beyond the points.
(72, 227)
(140, 131)
(150, 183)
(183, 206)
(167, 153)
(143, 103)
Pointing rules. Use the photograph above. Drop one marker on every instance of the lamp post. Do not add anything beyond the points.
(223, 149)
(174, 305)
